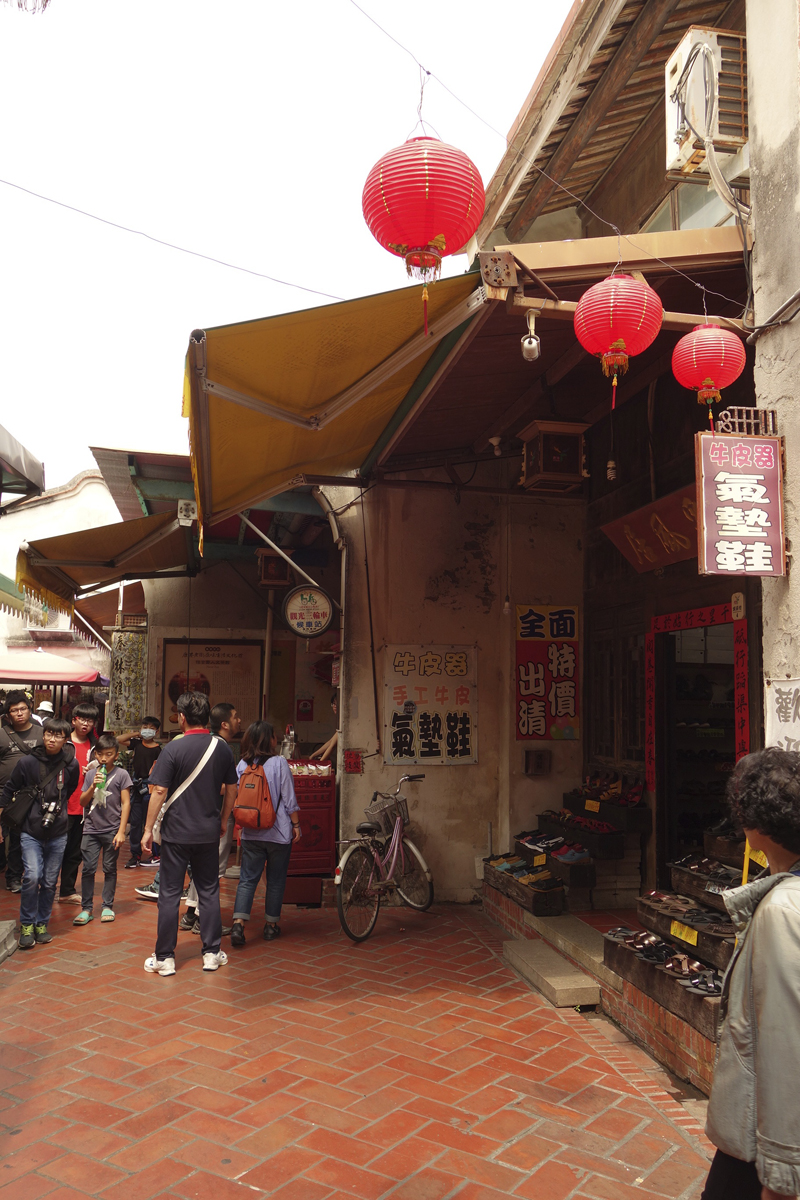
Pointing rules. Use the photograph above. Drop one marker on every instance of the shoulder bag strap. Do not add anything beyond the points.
(188, 781)
(14, 737)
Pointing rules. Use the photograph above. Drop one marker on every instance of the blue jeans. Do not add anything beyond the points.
(41, 863)
(255, 856)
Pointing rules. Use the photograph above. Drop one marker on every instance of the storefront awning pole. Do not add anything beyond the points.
(278, 550)
(268, 650)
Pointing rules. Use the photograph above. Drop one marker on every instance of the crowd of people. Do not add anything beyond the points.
(69, 806)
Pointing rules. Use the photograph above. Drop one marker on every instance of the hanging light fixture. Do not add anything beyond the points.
(422, 201)
(707, 360)
(614, 319)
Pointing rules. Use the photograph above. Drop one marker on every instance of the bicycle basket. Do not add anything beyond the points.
(385, 812)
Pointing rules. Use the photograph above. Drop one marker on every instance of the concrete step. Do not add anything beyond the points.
(563, 984)
(8, 939)
(581, 942)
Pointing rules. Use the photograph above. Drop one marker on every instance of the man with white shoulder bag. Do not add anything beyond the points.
(194, 788)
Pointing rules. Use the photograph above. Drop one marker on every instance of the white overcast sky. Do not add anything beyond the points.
(243, 129)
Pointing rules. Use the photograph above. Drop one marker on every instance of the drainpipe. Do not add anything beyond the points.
(341, 544)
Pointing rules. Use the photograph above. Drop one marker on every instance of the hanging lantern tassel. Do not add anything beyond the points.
(425, 309)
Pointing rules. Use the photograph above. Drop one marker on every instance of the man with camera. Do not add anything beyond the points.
(36, 797)
(19, 735)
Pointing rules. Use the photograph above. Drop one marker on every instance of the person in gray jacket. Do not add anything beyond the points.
(754, 1111)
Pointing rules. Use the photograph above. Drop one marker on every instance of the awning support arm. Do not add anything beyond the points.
(280, 552)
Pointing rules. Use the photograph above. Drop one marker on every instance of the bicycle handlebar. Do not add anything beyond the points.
(413, 778)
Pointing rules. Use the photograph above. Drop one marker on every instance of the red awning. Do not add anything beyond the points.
(37, 666)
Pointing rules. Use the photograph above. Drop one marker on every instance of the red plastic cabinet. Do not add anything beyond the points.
(315, 853)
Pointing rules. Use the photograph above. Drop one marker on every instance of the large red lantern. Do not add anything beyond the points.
(707, 360)
(422, 201)
(616, 318)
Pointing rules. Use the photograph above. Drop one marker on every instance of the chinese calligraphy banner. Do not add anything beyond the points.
(430, 705)
(547, 673)
(782, 713)
(659, 534)
(739, 505)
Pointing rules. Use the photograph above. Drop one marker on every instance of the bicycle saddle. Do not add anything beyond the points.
(368, 827)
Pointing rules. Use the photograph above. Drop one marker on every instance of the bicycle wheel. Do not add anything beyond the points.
(356, 901)
(415, 885)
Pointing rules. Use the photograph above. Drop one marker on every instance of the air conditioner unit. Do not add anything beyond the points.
(685, 152)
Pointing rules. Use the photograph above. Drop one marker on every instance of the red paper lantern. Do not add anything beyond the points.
(618, 317)
(422, 201)
(707, 360)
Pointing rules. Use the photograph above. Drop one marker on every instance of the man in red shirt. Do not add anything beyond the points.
(84, 717)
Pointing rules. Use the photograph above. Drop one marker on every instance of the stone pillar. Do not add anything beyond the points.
(128, 691)
(774, 116)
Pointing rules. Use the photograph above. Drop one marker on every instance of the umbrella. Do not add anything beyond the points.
(37, 666)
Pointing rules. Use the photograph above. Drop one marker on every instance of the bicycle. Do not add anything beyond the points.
(370, 867)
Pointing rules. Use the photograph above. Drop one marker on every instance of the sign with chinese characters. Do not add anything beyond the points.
(547, 669)
(659, 534)
(308, 611)
(224, 670)
(430, 705)
(739, 504)
(782, 713)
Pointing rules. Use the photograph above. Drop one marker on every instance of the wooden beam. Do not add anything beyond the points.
(673, 322)
(646, 27)
(631, 385)
(519, 409)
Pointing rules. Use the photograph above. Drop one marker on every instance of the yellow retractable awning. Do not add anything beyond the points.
(58, 568)
(307, 392)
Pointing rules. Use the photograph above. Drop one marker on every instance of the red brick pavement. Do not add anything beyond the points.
(416, 1067)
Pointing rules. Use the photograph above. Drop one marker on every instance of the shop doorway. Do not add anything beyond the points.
(699, 735)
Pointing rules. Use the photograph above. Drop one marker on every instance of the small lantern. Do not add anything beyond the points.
(553, 457)
(707, 360)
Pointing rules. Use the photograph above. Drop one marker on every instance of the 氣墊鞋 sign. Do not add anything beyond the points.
(547, 673)
(430, 705)
(739, 505)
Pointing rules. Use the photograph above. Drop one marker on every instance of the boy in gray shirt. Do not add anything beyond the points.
(107, 801)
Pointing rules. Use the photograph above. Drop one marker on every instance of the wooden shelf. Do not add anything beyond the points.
(627, 820)
(711, 948)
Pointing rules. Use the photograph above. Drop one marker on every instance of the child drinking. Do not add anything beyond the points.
(107, 799)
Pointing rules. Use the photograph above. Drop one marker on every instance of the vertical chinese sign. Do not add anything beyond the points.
(547, 670)
(782, 713)
(739, 505)
(430, 705)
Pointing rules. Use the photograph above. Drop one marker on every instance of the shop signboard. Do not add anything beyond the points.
(547, 673)
(739, 504)
(430, 705)
(224, 671)
(308, 611)
(659, 534)
(782, 713)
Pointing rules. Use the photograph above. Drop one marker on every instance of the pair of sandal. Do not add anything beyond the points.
(704, 983)
(84, 917)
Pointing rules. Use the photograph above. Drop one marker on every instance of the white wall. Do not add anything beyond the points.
(438, 575)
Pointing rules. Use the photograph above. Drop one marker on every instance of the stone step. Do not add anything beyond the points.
(563, 984)
(579, 941)
(8, 939)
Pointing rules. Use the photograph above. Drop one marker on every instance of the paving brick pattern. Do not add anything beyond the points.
(416, 1067)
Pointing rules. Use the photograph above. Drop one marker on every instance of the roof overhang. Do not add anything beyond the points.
(21, 474)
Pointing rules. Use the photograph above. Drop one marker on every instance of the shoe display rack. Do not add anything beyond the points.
(593, 882)
(727, 850)
(631, 819)
(701, 1012)
(701, 887)
(534, 888)
(715, 949)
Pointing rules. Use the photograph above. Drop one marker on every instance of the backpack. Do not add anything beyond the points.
(254, 808)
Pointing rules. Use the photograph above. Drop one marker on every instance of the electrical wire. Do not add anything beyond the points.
(170, 245)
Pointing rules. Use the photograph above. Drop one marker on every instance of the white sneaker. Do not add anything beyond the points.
(166, 966)
(212, 962)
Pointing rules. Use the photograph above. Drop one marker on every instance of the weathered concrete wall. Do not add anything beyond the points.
(774, 99)
(438, 575)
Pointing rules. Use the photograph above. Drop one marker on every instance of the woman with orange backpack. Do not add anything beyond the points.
(268, 812)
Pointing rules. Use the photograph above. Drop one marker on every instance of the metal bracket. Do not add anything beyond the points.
(498, 268)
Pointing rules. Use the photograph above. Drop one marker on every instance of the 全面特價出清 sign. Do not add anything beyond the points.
(547, 673)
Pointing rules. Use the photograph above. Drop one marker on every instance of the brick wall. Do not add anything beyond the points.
(670, 1040)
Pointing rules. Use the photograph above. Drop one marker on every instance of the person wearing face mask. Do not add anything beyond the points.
(146, 750)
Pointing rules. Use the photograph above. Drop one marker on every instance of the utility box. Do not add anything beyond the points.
(685, 152)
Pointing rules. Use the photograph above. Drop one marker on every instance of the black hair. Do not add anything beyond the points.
(89, 712)
(106, 741)
(764, 794)
(195, 708)
(16, 697)
(57, 725)
(221, 713)
(257, 741)
(148, 721)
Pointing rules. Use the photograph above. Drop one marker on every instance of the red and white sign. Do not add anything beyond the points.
(739, 504)
(547, 684)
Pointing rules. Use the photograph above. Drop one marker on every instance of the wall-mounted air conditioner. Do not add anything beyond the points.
(695, 91)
